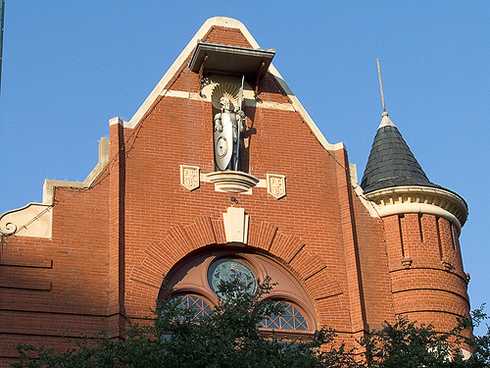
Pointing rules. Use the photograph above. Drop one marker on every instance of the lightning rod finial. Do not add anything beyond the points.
(381, 89)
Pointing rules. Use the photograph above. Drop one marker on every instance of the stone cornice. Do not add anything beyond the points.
(420, 199)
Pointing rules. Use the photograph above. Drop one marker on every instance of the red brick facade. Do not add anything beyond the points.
(114, 243)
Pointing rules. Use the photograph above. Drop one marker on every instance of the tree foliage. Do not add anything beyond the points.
(230, 337)
(406, 344)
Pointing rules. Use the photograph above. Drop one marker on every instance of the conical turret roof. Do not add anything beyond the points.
(391, 163)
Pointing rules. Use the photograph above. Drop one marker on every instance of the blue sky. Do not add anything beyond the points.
(70, 65)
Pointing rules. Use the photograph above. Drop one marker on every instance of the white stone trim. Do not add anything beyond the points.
(353, 174)
(236, 225)
(248, 101)
(115, 121)
(367, 204)
(232, 181)
(159, 89)
(269, 105)
(262, 183)
(184, 94)
(240, 181)
(190, 177)
(430, 209)
(32, 220)
(419, 199)
(276, 185)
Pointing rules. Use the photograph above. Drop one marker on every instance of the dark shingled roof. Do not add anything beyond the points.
(391, 163)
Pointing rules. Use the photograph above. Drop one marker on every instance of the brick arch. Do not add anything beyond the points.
(147, 277)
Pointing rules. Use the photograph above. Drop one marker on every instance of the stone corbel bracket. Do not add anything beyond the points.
(191, 178)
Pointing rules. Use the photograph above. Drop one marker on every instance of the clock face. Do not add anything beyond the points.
(226, 270)
(221, 146)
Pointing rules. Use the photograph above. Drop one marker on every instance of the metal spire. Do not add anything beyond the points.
(385, 118)
(380, 82)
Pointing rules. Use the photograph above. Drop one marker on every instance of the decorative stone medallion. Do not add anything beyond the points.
(276, 185)
(189, 177)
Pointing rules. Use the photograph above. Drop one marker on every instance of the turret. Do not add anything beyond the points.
(422, 222)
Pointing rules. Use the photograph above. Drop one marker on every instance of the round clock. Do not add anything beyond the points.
(227, 269)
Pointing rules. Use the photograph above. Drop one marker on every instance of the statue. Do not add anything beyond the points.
(229, 126)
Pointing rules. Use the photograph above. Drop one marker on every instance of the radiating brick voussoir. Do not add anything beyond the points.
(286, 246)
(322, 285)
(182, 244)
(261, 235)
(201, 233)
(219, 231)
(319, 281)
(156, 263)
(306, 263)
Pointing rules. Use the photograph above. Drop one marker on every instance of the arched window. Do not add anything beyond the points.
(193, 303)
(196, 282)
(290, 318)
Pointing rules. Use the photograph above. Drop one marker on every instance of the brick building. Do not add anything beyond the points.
(158, 209)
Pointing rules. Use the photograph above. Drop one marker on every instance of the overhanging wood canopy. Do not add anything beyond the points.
(230, 59)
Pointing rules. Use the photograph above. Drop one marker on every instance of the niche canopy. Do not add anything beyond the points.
(213, 57)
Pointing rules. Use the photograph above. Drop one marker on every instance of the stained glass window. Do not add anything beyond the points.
(194, 303)
(226, 270)
(290, 318)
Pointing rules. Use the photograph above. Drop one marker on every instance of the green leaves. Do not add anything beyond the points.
(229, 336)
(406, 344)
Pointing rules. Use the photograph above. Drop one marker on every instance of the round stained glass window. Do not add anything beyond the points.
(227, 270)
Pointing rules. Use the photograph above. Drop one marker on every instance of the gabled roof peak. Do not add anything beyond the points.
(161, 90)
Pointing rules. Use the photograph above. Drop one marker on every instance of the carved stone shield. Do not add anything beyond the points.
(190, 177)
(223, 139)
(276, 185)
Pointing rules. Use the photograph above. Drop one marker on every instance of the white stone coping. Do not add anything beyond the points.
(419, 199)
